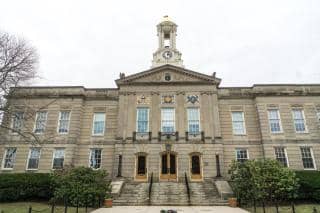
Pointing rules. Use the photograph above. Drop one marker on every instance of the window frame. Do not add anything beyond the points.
(236, 152)
(279, 120)
(304, 121)
(59, 122)
(199, 121)
(29, 155)
(13, 131)
(285, 154)
(244, 123)
(53, 154)
(4, 158)
(90, 155)
(104, 124)
(45, 123)
(312, 156)
(148, 120)
(174, 119)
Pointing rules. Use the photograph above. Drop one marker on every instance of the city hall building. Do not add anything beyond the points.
(168, 121)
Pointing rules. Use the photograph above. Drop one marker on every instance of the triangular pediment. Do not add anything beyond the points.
(159, 75)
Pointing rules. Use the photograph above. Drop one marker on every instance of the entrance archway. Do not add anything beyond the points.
(141, 167)
(195, 166)
(168, 166)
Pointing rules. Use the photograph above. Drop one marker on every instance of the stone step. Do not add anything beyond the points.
(169, 193)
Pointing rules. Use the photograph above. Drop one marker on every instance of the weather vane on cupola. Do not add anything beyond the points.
(167, 52)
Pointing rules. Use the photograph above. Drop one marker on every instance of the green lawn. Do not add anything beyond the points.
(300, 208)
(22, 207)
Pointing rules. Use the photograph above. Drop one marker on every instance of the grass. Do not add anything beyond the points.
(42, 207)
(300, 208)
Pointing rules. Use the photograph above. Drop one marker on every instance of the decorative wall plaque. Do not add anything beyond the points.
(168, 99)
(192, 99)
(141, 99)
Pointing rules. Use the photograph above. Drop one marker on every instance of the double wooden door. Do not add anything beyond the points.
(168, 166)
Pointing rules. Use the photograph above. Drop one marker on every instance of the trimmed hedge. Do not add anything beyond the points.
(25, 186)
(309, 185)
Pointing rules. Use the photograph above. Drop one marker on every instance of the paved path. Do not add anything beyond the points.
(179, 209)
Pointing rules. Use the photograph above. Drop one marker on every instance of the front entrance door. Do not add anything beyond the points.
(141, 168)
(196, 167)
(168, 167)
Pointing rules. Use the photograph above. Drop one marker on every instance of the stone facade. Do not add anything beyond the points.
(166, 86)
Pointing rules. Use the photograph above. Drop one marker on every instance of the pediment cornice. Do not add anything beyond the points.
(185, 77)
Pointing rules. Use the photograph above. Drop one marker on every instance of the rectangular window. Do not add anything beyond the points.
(299, 121)
(167, 120)
(33, 159)
(142, 120)
(242, 155)
(281, 155)
(58, 158)
(9, 158)
(99, 123)
(238, 125)
(95, 158)
(41, 119)
(17, 121)
(193, 120)
(307, 158)
(318, 116)
(64, 119)
(274, 121)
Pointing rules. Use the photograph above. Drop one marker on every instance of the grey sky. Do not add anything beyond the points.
(89, 43)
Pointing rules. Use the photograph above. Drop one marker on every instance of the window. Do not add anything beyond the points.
(238, 125)
(142, 120)
(167, 120)
(64, 119)
(58, 158)
(9, 158)
(41, 119)
(242, 155)
(307, 158)
(274, 121)
(95, 158)
(33, 159)
(299, 122)
(98, 123)
(281, 155)
(318, 116)
(17, 121)
(193, 120)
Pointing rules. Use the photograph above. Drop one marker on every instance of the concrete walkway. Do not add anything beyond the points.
(179, 209)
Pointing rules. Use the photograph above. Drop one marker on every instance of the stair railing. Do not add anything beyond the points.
(150, 188)
(187, 186)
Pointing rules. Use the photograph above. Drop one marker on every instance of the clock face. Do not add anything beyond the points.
(167, 54)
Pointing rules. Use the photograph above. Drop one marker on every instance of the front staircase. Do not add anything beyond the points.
(169, 193)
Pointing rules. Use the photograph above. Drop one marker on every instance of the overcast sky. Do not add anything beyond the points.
(88, 43)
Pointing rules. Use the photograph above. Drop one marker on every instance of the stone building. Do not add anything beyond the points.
(167, 121)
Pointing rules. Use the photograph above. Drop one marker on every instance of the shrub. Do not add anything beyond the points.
(309, 185)
(263, 180)
(25, 186)
(80, 186)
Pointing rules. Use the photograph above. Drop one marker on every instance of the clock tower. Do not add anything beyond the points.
(167, 52)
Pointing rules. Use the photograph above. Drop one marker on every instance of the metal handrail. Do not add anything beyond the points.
(150, 187)
(187, 185)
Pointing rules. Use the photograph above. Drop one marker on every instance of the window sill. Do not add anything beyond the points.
(7, 169)
(302, 133)
(310, 169)
(97, 135)
(31, 169)
(64, 133)
(239, 134)
(276, 133)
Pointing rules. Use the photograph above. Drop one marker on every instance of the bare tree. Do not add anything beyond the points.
(18, 65)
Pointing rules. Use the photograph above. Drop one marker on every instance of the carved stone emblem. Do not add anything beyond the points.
(192, 99)
(143, 100)
(168, 99)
